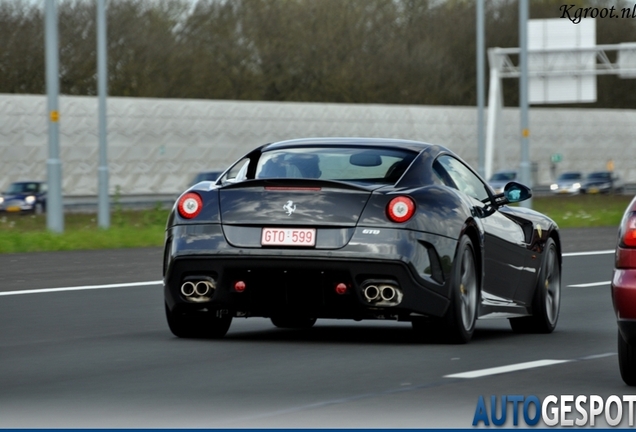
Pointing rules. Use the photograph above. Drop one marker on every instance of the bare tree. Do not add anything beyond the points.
(370, 51)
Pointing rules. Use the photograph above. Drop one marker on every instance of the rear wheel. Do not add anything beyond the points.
(547, 297)
(627, 360)
(204, 324)
(458, 325)
(293, 322)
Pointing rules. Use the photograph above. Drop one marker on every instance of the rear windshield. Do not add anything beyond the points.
(357, 164)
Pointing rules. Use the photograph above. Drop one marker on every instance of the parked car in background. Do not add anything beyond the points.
(206, 176)
(24, 196)
(499, 179)
(602, 182)
(624, 294)
(567, 183)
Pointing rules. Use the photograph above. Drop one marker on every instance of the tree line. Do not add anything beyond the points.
(356, 51)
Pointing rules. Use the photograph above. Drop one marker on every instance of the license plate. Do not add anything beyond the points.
(13, 209)
(288, 237)
(593, 190)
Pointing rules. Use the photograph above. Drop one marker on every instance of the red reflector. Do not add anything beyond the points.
(239, 286)
(190, 205)
(629, 231)
(400, 209)
(341, 288)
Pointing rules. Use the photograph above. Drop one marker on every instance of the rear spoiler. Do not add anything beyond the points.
(300, 183)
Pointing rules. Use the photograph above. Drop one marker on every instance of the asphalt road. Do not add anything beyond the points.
(105, 357)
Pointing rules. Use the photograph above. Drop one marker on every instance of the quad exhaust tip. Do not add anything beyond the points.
(371, 293)
(382, 294)
(198, 289)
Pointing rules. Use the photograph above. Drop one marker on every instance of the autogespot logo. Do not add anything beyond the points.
(563, 410)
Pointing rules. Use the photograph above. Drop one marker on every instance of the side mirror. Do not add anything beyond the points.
(516, 192)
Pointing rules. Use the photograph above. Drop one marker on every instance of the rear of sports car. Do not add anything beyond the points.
(624, 294)
(334, 238)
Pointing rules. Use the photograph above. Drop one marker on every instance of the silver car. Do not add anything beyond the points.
(499, 179)
(568, 183)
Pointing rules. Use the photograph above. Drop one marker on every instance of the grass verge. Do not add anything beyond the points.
(580, 211)
(131, 229)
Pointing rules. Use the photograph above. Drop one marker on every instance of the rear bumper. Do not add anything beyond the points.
(303, 281)
(624, 301)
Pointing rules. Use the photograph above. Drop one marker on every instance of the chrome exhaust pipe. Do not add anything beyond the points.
(388, 293)
(188, 289)
(371, 293)
(202, 288)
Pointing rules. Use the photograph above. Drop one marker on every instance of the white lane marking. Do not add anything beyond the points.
(523, 366)
(591, 284)
(124, 285)
(598, 356)
(601, 252)
(80, 288)
(505, 369)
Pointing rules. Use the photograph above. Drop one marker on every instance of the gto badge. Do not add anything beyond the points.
(289, 207)
(371, 231)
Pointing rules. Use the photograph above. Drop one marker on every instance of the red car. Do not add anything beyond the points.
(624, 294)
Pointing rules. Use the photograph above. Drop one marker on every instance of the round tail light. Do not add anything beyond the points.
(400, 209)
(629, 230)
(190, 205)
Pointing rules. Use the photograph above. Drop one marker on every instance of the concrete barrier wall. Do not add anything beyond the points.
(155, 146)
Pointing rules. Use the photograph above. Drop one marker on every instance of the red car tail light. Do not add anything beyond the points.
(629, 230)
(400, 209)
(190, 205)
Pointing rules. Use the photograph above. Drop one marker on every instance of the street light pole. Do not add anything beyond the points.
(480, 87)
(54, 211)
(103, 211)
(525, 173)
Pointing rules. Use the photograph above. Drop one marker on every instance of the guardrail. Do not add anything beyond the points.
(88, 203)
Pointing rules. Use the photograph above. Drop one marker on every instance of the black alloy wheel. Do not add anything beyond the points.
(458, 325)
(547, 297)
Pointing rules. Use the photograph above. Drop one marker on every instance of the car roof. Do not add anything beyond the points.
(352, 142)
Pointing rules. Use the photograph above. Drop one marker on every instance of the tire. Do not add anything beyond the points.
(627, 360)
(547, 296)
(458, 325)
(293, 322)
(201, 325)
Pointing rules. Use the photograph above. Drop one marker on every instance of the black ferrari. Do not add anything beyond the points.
(358, 228)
